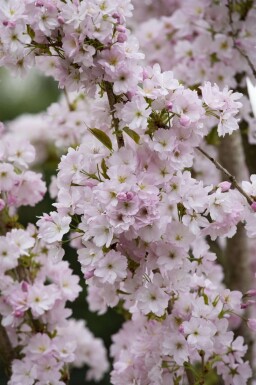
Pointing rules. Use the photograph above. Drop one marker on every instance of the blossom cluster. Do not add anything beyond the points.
(200, 43)
(127, 194)
(76, 42)
(158, 352)
(141, 219)
(19, 186)
(34, 294)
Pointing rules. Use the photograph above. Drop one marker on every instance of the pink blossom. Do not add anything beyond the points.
(225, 186)
(52, 227)
(111, 268)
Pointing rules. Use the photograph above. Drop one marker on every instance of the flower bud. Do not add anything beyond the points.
(169, 106)
(24, 286)
(121, 28)
(247, 304)
(89, 274)
(61, 20)
(121, 197)
(225, 186)
(250, 293)
(130, 95)
(19, 313)
(121, 38)
(185, 121)
(39, 3)
(253, 206)
(129, 195)
(116, 16)
(10, 24)
(238, 43)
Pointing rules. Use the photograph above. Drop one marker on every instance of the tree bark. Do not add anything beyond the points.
(238, 273)
(6, 350)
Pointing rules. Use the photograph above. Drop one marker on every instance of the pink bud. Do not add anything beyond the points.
(89, 274)
(185, 121)
(39, 3)
(121, 38)
(61, 20)
(238, 43)
(251, 323)
(225, 186)
(24, 286)
(145, 74)
(181, 329)
(169, 106)
(121, 28)
(2, 204)
(129, 195)
(121, 196)
(253, 206)
(116, 16)
(19, 313)
(130, 95)
(10, 24)
(247, 304)
(250, 293)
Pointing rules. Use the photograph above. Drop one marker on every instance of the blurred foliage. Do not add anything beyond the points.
(31, 95)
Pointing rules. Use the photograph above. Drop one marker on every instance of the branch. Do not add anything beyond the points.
(250, 64)
(237, 265)
(227, 173)
(112, 101)
(6, 350)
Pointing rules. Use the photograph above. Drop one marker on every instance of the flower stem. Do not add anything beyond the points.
(227, 173)
(234, 34)
(112, 101)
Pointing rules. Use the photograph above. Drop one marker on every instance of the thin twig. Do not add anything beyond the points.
(250, 64)
(227, 173)
(112, 101)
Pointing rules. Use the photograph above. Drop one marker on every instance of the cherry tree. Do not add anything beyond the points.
(163, 227)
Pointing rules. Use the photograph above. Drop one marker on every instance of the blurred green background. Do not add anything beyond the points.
(33, 94)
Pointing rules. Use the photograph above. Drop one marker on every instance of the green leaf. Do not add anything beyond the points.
(92, 176)
(30, 32)
(181, 211)
(102, 137)
(104, 169)
(132, 134)
(206, 301)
